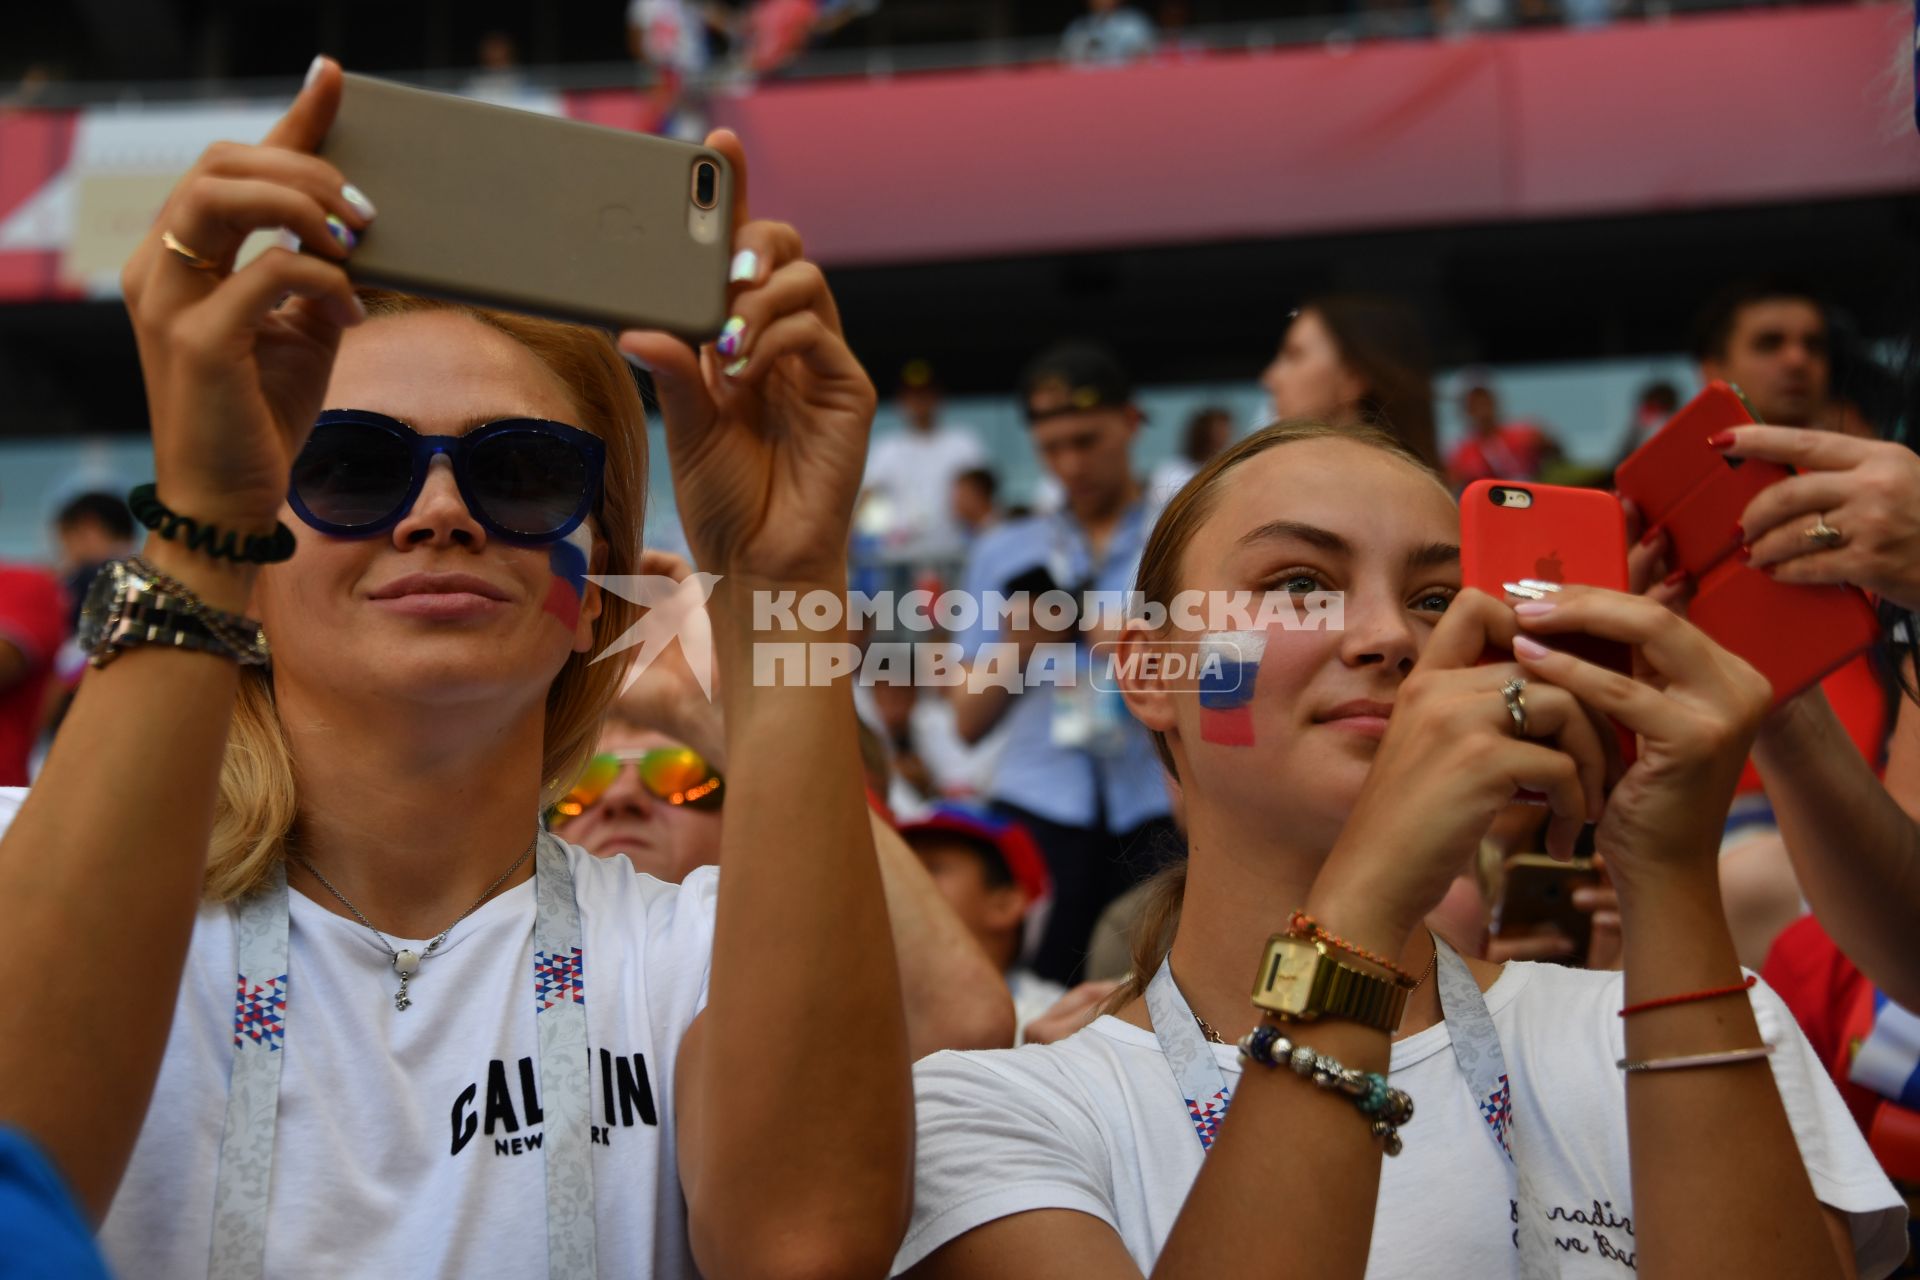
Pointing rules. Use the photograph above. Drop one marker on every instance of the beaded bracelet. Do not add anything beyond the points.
(1385, 1106)
(1300, 924)
(255, 548)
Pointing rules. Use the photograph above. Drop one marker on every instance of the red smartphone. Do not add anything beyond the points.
(1794, 635)
(1510, 531)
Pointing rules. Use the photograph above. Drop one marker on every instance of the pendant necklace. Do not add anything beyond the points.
(406, 961)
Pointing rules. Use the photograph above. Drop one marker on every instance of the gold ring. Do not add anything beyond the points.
(1515, 692)
(186, 255)
(1823, 534)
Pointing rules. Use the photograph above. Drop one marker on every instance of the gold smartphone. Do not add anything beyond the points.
(528, 212)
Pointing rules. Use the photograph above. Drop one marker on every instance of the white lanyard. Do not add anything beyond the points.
(1476, 1051)
(260, 1042)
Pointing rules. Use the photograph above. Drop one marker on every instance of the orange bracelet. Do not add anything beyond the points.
(1300, 924)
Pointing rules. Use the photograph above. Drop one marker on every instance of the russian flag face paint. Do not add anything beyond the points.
(1229, 666)
(568, 559)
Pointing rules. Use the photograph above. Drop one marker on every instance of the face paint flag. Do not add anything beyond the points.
(675, 611)
(568, 559)
(1229, 665)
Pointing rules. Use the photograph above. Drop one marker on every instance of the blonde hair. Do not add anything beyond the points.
(258, 802)
(1158, 581)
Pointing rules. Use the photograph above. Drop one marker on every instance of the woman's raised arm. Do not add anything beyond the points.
(100, 872)
(795, 1103)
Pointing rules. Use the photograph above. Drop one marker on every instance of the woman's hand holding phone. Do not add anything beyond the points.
(234, 375)
(1694, 708)
(1867, 489)
(1450, 761)
(767, 427)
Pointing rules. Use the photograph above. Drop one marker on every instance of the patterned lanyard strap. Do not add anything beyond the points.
(260, 1044)
(1476, 1051)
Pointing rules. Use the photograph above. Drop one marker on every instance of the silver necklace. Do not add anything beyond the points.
(406, 961)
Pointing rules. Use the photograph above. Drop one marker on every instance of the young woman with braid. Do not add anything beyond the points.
(1562, 1122)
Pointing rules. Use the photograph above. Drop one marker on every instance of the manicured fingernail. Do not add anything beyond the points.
(1525, 591)
(737, 368)
(1745, 553)
(745, 268)
(1651, 536)
(1529, 648)
(1534, 608)
(313, 71)
(1739, 534)
(1674, 579)
(637, 362)
(1720, 440)
(358, 199)
(342, 233)
(732, 333)
(1540, 584)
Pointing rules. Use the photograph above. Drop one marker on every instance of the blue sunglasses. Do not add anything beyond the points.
(525, 480)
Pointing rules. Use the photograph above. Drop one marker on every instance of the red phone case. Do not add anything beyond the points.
(1794, 635)
(1565, 535)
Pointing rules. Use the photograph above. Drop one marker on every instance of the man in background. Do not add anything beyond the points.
(1768, 338)
(1494, 450)
(910, 475)
(89, 530)
(1077, 771)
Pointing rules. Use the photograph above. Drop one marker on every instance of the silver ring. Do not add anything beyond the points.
(1515, 692)
(1824, 534)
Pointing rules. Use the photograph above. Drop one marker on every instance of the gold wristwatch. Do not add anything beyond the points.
(1300, 980)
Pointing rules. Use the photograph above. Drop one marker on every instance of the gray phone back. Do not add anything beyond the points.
(528, 212)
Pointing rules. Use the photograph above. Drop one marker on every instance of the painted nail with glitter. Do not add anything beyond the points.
(737, 368)
(1540, 584)
(745, 268)
(732, 334)
(342, 234)
(357, 198)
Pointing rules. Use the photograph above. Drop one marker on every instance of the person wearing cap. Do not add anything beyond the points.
(1076, 770)
(992, 875)
(910, 475)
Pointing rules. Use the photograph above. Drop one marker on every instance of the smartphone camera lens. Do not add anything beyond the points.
(706, 184)
(1498, 496)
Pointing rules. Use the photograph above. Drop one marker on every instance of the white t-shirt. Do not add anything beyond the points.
(408, 1142)
(1095, 1123)
(916, 471)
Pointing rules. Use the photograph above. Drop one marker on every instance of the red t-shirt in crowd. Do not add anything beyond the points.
(1514, 452)
(1834, 1004)
(1859, 703)
(33, 620)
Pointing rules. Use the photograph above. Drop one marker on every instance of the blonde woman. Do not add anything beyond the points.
(1349, 778)
(414, 1035)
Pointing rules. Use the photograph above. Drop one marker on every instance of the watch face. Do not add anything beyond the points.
(1286, 975)
(102, 603)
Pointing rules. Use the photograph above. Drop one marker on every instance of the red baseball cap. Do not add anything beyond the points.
(1009, 841)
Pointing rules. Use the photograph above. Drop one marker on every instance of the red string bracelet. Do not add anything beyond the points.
(1713, 993)
(1302, 924)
